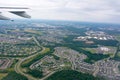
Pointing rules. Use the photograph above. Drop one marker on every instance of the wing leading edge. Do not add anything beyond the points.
(3, 17)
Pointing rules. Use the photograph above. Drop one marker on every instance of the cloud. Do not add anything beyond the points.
(81, 10)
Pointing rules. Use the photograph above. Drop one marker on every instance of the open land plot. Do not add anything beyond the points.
(2, 75)
(102, 50)
(118, 37)
(33, 31)
(118, 54)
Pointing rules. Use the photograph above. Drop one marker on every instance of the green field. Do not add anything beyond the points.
(92, 50)
(33, 31)
(2, 75)
(118, 37)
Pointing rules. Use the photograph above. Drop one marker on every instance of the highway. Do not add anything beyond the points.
(18, 68)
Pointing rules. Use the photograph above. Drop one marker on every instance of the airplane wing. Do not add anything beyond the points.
(3, 17)
(21, 13)
(13, 8)
(18, 12)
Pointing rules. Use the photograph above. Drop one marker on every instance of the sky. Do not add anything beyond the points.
(75, 10)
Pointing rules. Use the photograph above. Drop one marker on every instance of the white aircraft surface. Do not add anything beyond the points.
(20, 12)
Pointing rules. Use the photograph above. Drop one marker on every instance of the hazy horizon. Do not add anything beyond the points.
(107, 11)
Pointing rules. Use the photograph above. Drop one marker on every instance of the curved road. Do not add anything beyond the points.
(18, 65)
(18, 68)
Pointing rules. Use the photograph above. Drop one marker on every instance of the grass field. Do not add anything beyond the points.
(33, 31)
(92, 50)
(2, 75)
(118, 37)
